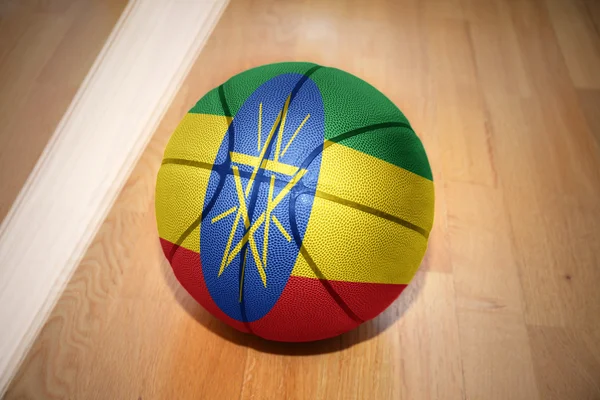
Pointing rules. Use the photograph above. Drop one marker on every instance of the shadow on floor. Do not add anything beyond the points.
(364, 332)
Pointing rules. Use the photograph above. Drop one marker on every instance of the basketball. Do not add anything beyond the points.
(294, 202)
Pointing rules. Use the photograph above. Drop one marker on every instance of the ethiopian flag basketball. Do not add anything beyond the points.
(294, 202)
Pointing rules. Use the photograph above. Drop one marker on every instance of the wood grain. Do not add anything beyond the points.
(46, 50)
(506, 304)
(88, 159)
(589, 100)
(577, 38)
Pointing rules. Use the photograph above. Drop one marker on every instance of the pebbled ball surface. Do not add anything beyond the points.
(294, 202)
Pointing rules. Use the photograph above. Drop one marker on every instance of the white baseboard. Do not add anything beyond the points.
(88, 159)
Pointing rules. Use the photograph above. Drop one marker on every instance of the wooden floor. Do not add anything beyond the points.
(46, 50)
(505, 95)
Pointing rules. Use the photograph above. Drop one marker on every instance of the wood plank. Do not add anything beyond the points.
(443, 9)
(539, 156)
(589, 101)
(593, 8)
(44, 58)
(567, 362)
(105, 307)
(412, 350)
(95, 146)
(505, 305)
(578, 41)
(557, 177)
(500, 68)
(460, 115)
(546, 161)
(437, 258)
(30, 51)
(488, 296)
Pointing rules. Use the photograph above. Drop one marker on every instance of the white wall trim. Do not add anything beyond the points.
(88, 159)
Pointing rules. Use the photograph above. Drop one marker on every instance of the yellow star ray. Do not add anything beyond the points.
(224, 214)
(281, 228)
(261, 219)
(242, 193)
(287, 146)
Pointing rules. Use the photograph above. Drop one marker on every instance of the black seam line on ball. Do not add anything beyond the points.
(313, 265)
(218, 168)
(184, 236)
(189, 163)
(230, 146)
(318, 193)
(261, 170)
(223, 101)
(213, 200)
(373, 211)
(347, 135)
(309, 159)
(256, 188)
(223, 176)
(203, 165)
(292, 214)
